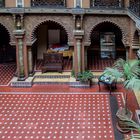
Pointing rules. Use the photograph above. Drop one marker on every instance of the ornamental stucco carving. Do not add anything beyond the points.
(7, 22)
(122, 22)
(33, 21)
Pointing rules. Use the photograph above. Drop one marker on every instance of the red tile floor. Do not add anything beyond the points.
(7, 72)
(54, 112)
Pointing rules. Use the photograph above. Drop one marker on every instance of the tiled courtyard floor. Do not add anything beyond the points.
(57, 112)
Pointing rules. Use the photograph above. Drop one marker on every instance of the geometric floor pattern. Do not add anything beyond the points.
(7, 72)
(51, 116)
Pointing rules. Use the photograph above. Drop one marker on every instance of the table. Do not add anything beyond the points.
(108, 80)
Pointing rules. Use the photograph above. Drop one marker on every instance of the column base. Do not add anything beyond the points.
(21, 78)
(31, 74)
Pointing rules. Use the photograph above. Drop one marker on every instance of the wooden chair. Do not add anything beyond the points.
(52, 62)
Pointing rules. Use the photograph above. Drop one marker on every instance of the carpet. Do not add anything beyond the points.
(57, 116)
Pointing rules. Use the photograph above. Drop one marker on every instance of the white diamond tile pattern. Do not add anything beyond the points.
(55, 117)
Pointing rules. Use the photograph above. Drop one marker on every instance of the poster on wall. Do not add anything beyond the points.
(107, 45)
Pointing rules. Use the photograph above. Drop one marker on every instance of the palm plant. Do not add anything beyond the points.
(130, 71)
(132, 126)
(114, 72)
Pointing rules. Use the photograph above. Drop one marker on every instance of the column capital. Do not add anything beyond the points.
(19, 33)
(78, 33)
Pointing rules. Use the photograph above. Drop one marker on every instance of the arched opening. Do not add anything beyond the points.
(7, 57)
(51, 37)
(106, 46)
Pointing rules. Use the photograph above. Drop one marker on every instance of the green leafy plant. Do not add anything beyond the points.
(130, 71)
(72, 73)
(113, 72)
(132, 126)
(85, 76)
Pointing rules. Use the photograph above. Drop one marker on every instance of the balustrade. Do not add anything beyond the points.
(135, 7)
(107, 3)
(48, 3)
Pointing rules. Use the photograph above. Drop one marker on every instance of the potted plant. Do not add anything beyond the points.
(82, 79)
(85, 76)
(130, 71)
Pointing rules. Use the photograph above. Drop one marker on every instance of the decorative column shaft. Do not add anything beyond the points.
(20, 57)
(78, 33)
(19, 35)
(127, 52)
(139, 37)
(30, 61)
(78, 47)
(138, 51)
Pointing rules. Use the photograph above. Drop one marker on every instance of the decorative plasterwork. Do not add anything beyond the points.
(90, 22)
(7, 22)
(33, 21)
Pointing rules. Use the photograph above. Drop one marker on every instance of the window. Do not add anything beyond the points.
(19, 3)
(78, 3)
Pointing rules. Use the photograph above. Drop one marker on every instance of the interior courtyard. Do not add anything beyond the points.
(45, 45)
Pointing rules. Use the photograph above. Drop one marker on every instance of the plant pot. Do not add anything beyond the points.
(122, 116)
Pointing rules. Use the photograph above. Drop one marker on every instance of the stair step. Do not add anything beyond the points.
(50, 81)
(52, 76)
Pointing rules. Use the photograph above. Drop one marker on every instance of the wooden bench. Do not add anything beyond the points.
(52, 62)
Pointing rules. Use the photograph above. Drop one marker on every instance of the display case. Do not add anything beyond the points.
(107, 45)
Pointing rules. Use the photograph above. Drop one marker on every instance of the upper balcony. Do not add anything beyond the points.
(48, 3)
(2, 3)
(135, 7)
(107, 4)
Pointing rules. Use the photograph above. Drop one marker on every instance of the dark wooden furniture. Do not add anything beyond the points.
(108, 80)
(52, 62)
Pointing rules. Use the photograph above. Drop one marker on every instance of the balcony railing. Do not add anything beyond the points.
(135, 7)
(48, 3)
(107, 3)
(2, 3)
